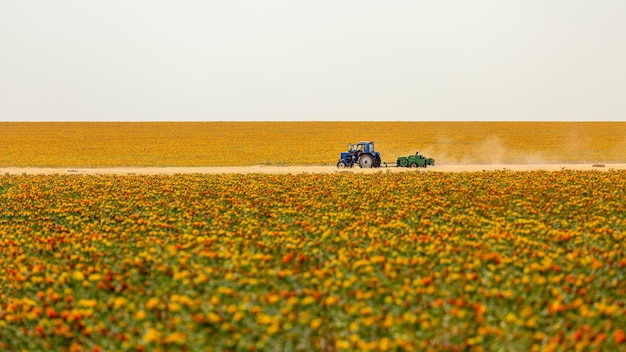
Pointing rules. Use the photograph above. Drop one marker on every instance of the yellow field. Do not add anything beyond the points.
(384, 261)
(305, 143)
(489, 261)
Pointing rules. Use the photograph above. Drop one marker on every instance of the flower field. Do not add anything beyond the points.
(480, 261)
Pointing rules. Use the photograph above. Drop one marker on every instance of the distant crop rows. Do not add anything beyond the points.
(387, 261)
(305, 143)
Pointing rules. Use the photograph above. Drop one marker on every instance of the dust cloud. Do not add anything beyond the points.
(576, 147)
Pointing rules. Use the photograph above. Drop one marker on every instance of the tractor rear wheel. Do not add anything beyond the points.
(366, 161)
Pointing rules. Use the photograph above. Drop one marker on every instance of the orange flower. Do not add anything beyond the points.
(51, 313)
(620, 336)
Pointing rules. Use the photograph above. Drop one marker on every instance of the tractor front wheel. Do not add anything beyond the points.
(366, 161)
(413, 165)
(341, 164)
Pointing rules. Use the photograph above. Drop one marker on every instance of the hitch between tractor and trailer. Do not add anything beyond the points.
(389, 164)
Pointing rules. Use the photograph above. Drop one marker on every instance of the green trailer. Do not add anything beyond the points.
(416, 160)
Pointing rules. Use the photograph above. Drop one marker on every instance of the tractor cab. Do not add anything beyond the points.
(361, 147)
(355, 148)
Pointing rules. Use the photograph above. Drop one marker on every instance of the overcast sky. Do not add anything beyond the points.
(387, 60)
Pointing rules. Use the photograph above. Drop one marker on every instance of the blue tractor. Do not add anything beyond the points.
(362, 153)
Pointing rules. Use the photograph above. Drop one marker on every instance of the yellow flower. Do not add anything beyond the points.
(273, 298)
(119, 302)
(140, 315)
(174, 307)
(273, 328)
(78, 276)
(330, 300)
(366, 310)
(214, 318)
(315, 323)
(152, 335)
(237, 316)
(307, 300)
(176, 337)
(152, 303)
(87, 303)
